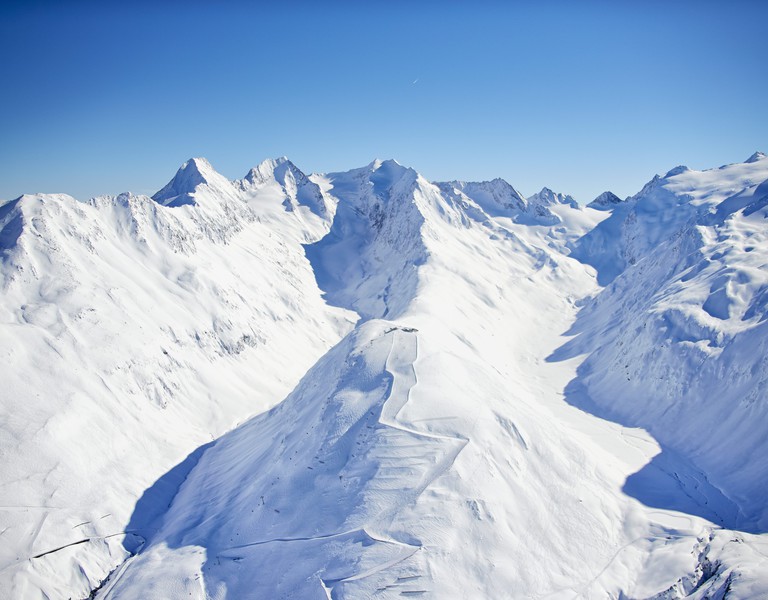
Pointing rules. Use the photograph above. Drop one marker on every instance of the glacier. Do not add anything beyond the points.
(364, 384)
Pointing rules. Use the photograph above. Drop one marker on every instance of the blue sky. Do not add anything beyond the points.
(578, 96)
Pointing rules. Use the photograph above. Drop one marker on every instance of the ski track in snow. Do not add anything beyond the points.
(400, 365)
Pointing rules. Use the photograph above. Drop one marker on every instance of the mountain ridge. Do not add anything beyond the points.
(489, 388)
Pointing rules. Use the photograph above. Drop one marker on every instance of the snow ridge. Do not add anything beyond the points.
(496, 198)
(433, 449)
(363, 458)
(687, 295)
(128, 324)
(547, 197)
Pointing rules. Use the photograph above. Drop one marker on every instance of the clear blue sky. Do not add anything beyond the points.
(580, 96)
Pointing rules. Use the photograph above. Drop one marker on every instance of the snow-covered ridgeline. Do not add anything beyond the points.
(430, 452)
(678, 341)
(133, 333)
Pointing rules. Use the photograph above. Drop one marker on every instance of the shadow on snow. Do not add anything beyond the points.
(670, 481)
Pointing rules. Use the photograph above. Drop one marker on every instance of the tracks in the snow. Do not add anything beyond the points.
(401, 461)
(400, 458)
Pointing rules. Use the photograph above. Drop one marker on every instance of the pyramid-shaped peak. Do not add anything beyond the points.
(200, 163)
(298, 189)
(194, 172)
(547, 196)
(755, 157)
(545, 191)
(605, 201)
(197, 169)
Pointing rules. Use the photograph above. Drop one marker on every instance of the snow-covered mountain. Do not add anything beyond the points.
(132, 334)
(689, 296)
(498, 198)
(547, 197)
(367, 385)
(605, 201)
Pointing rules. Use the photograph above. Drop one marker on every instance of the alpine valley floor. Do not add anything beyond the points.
(367, 385)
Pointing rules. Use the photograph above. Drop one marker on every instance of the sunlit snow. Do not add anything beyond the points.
(367, 385)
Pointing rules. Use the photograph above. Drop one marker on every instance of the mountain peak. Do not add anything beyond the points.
(546, 197)
(677, 171)
(387, 173)
(605, 201)
(193, 173)
(496, 197)
(270, 168)
(297, 188)
(388, 162)
(755, 157)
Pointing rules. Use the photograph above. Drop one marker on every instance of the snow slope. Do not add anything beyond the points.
(456, 442)
(131, 334)
(680, 334)
(368, 260)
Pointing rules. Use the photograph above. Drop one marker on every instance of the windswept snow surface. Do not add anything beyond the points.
(455, 443)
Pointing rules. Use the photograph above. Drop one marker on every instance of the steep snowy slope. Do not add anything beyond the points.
(368, 260)
(289, 183)
(131, 334)
(497, 198)
(346, 479)
(680, 336)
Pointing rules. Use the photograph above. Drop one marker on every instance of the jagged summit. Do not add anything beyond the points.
(388, 166)
(378, 162)
(755, 157)
(498, 187)
(496, 197)
(296, 188)
(546, 197)
(193, 173)
(368, 261)
(605, 201)
(379, 180)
